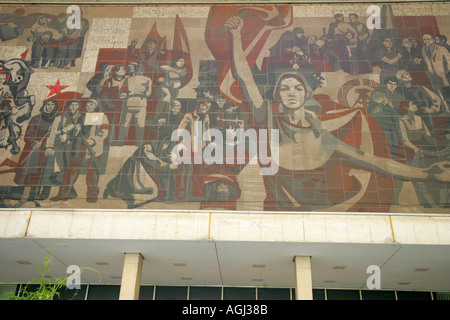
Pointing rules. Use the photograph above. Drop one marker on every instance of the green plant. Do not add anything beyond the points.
(47, 289)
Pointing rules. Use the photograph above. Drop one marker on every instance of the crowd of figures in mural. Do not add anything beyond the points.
(313, 152)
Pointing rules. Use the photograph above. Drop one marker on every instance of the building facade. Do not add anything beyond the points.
(246, 151)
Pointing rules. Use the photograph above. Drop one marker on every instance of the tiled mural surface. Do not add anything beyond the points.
(245, 108)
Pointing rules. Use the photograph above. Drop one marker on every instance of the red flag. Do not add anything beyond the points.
(23, 56)
(181, 49)
(154, 34)
(159, 54)
(180, 40)
(258, 21)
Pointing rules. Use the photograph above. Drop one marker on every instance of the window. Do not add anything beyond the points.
(72, 294)
(413, 295)
(233, 293)
(318, 294)
(146, 292)
(171, 293)
(103, 292)
(336, 294)
(441, 295)
(377, 295)
(274, 294)
(6, 288)
(205, 293)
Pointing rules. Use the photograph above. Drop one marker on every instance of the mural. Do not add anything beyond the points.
(255, 108)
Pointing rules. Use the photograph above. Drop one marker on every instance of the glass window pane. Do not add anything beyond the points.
(377, 295)
(318, 294)
(8, 288)
(231, 293)
(146, 292)
(171, 293)
(64, 292)
(441, 295)
(274, 294)
(103, 292)
(72, 294)
(205, 293)
(413, 295)
(342, 294)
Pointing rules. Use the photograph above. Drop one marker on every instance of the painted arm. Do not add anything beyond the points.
(168, 68)
(393, 60)
(242, 69)
(439, 171)
(49, 151)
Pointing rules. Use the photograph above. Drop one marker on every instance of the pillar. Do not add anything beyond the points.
(131, 276)
(303, 278)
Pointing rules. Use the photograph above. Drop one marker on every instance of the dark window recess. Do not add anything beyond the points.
(103, 292)
(413, 295)
(205, 293)
(318, 294)
(146, 292)
(171, 293)
(232, 293)
(274, 294)
(334, 294)
(377, 295)
(72, 294)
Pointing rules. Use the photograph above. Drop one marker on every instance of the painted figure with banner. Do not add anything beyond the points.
(312, 149)
(94, 133)
(65, 144)
(32, 172)
(135, 91)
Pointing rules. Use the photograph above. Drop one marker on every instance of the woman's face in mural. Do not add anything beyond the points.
(391, 85)
(180, 63)
(50, 106)
(204, 106)
(406, 43)
(387, 43)
(292, 93)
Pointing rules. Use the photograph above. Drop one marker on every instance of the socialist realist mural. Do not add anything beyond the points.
(255, 108)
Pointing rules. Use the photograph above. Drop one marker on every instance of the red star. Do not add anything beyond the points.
(56, 89)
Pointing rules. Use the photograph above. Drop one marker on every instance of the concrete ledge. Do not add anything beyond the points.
(217, 226)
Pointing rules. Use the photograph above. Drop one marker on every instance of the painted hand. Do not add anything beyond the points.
(234, 24)
(439, 171)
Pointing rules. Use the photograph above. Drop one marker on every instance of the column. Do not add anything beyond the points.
(303, 279)
(131, 276)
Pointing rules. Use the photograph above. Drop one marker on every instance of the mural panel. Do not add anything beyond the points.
(255, 108)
